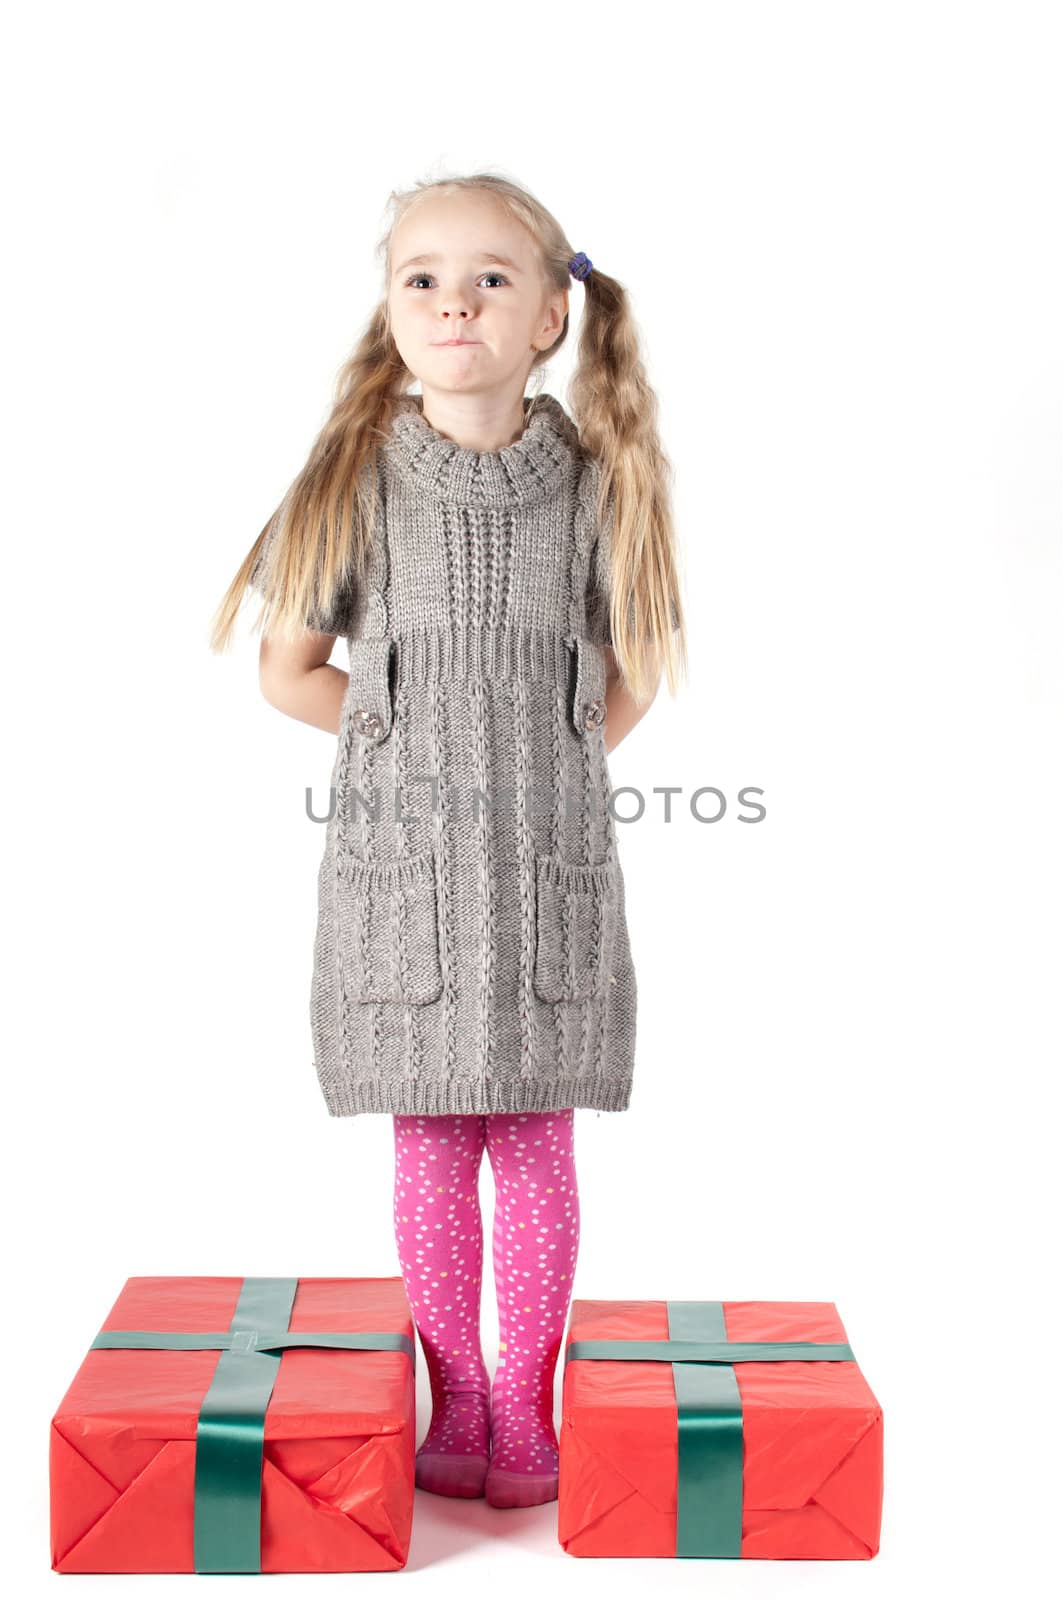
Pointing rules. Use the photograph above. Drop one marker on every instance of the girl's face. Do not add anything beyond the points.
(463, 269)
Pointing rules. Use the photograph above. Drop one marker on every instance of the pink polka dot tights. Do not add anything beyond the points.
(535, 1241)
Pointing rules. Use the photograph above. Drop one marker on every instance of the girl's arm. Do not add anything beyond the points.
(299, 680)
(621, 710)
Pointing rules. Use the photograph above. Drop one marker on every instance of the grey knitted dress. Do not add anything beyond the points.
(472, 950)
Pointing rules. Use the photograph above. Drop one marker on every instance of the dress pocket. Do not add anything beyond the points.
(388, 929)
(574, 917)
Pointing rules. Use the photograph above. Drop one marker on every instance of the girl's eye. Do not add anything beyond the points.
(421, 277)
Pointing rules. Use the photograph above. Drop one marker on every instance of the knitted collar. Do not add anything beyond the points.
(517, 474)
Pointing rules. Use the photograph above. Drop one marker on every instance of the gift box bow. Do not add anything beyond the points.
(709, 1412)
(230, 1428)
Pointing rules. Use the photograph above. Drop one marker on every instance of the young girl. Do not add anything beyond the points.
(506, 580)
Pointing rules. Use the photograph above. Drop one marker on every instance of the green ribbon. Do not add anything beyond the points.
(709, 1410)
(232, 1418)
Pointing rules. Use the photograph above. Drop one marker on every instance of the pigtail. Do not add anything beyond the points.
(616, 411)
(312, 554)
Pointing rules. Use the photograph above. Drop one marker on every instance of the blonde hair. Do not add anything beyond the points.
(324, 524)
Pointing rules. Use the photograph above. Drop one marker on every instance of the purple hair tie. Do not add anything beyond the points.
(580, 265)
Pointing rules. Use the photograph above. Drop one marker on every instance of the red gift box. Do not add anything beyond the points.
(808, 1458)
(336, 1449)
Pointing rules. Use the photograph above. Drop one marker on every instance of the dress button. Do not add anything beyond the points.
(368, 724)
(594, 713)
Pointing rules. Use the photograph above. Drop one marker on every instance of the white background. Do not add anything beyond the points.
(840, 229)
